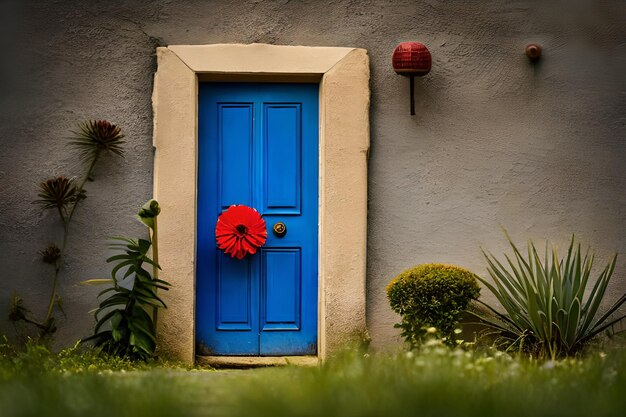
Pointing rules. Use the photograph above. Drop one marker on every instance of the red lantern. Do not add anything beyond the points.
(411, 59)
(239, 231)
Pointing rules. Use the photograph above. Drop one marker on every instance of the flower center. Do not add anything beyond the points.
(242, 229)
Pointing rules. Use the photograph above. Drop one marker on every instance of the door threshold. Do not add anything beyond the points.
(255, 361)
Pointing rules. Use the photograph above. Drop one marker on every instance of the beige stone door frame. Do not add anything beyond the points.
(343, 75)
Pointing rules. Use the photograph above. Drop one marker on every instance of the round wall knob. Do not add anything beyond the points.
(533, 52)
(280, 229)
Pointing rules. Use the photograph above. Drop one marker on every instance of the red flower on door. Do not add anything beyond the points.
(239, 231)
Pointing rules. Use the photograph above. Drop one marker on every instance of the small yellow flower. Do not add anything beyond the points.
(431, 330)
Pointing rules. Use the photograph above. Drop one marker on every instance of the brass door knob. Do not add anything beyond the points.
(280, 229)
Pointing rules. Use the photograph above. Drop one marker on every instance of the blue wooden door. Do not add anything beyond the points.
(258, 146)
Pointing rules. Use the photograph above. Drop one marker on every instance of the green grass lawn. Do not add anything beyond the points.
(436, 382)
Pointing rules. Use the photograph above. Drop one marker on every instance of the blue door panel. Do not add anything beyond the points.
(235, 131)
(281, 280)
(282, 151)
(234, 294)
(258, 146)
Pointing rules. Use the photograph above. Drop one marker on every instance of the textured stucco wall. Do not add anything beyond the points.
(495, 140)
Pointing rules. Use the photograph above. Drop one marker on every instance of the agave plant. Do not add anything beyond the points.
(546, 307)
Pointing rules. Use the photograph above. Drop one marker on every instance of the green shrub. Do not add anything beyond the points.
(430, 299)
(547, 311)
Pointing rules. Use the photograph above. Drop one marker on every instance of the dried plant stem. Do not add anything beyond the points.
(41, 326)
(155, 269)
(81, 186)
(46, 325)
(61, 214)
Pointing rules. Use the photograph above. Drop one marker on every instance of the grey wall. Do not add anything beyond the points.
(537, 149)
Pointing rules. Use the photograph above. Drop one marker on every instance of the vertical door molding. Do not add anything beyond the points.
(344, 144)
